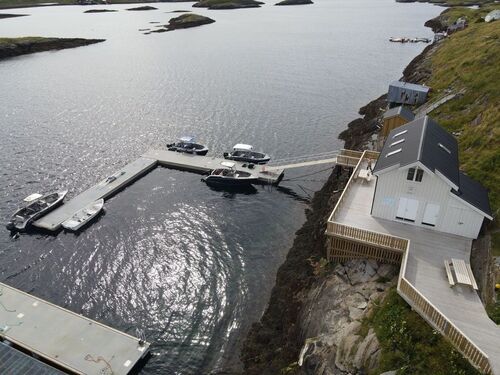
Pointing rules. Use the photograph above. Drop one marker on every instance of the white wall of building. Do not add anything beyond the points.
(451, 216)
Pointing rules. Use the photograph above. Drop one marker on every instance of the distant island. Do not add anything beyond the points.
(227, 4)
(184, 21)
(5, 15)
(10, 47)
(294, 2)
(145, 7)
(100, 10)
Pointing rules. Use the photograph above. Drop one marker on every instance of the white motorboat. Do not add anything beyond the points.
(83, 216)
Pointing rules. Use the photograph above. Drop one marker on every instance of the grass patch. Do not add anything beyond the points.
(408, 343)
(468, 61)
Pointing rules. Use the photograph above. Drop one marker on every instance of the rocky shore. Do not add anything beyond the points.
(5, 15)
(316, 310)
(10, 47)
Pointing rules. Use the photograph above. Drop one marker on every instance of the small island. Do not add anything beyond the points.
(227, 4)
(100, 10)
(5, 15)
(184, 21)
(145, 7)
(10, 47)
(294, 2)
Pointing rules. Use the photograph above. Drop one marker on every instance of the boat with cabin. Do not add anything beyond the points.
(188, 145)
(84, 216)
(245, 153)
(37, 207)
(229, 176)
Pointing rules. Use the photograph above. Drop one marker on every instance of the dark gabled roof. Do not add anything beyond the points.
(402, 111)
(473, 193)
(410, 86)
(424, 141)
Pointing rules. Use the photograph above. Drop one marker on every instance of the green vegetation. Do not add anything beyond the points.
(409, 344)
(5, 4)
(468, 62)
(26, 39)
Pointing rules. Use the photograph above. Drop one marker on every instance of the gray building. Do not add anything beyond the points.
(406, 93)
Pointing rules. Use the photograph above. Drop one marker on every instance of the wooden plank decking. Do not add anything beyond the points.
(424, 268)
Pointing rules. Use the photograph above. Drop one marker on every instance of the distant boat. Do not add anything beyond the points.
(229, 176)
(38, 207)
(243, 152)
(83, 216)
(188, 145)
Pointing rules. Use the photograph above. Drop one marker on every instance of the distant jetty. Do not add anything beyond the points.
(10, 47)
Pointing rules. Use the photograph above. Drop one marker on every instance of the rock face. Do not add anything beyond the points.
(331, 323)
(227, 4)
(185, 21)
(146, 7)
(10, 47)
(294, 2)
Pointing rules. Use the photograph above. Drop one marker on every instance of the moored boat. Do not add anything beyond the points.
(243, 152)
(83, 216)
(229, 176)
(38, 207)
(188, 145)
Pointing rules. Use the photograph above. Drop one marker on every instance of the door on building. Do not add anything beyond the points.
(431, 214)
(407, 209)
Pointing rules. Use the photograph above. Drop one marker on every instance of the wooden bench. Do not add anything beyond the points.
(471, 276)
(448, 272)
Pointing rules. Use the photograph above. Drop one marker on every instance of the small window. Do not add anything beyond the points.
(411, 174)
(419, 175)
(415, 174)
(393, 152)
(397, 142)
(400, 133)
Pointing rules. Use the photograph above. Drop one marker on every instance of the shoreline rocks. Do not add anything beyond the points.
(100, 11)
(184, 21)
(227, 4)
(143, 8)
(6, 15)
(10, 47)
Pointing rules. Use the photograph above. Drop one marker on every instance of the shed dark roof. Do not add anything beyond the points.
(409, 86)
(424, 141)
(473, 193)
(402, 111)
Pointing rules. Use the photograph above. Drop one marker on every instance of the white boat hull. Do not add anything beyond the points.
(83, 216)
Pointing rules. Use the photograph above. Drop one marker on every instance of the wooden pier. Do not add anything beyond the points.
(64, 339)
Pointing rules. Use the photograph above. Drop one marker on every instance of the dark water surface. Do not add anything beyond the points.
(186, 267)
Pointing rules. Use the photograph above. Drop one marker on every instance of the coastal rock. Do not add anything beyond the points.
(294, 2)
(100, 10)
(227, 4)
(10, 47)
(5, 15)
(185, 21)
(145, 7)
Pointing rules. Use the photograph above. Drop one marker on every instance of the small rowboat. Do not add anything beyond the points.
(83, 216)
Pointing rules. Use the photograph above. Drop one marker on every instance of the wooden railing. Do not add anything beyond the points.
(347, 161)
(351, 153)
(439, 321)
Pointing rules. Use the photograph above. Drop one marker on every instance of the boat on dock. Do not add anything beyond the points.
(23, 217)
(229, 176)
(188, 145)
(245, 153)
(84, 216)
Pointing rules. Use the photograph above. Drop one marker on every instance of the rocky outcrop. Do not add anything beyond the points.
(294, 2)
(228, 4)
(10, 47)
(336, 341)
(185, 21)
(145, 7)
(5, 15)
(100, 10)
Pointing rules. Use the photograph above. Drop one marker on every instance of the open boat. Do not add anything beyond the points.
(242, 152)
(38, 207)
(188, 145)
(83, 216)
(229, 176)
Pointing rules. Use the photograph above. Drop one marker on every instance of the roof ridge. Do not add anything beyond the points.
(422, 136)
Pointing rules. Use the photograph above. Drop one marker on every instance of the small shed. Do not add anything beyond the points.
(406, 93)
(395, 117)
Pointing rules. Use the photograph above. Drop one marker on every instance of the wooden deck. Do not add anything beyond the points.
(68, 340)
(424, 268)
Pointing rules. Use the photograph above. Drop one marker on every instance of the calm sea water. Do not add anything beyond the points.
(184, 266)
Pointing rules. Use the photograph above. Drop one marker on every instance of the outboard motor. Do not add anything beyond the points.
(226, 154)
(10, 226)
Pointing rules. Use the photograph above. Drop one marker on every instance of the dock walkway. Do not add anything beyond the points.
(75, 343)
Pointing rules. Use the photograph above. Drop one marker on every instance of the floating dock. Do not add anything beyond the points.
(125, 176)
(67, 340)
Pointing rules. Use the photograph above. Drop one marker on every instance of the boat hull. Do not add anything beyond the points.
(84, 216)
